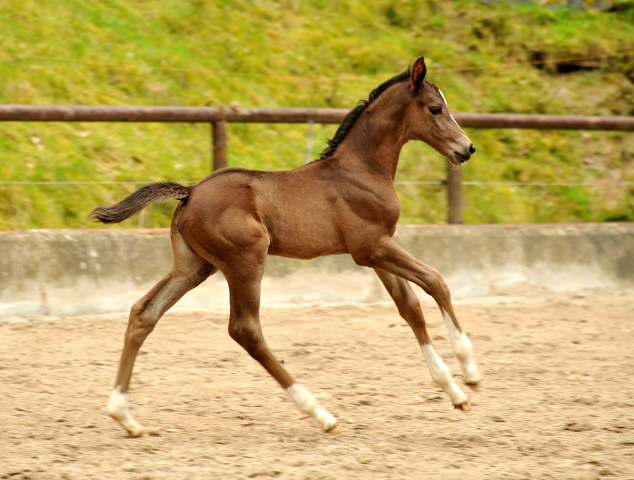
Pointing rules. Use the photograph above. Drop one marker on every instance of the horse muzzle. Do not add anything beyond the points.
(462, 157)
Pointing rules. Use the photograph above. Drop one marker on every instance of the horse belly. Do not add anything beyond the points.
(306, 240)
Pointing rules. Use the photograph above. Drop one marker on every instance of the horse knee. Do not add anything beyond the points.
(247, 334)
(435, 284)
(141, 323)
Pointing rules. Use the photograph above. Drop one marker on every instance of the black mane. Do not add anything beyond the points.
(356, 112)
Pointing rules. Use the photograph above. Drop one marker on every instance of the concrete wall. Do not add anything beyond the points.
(69, 271)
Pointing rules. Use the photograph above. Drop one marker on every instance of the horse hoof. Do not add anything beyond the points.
(335, 429)
(465, 407)
(136, 432)
(130, 425)
(472, 385)
(472, 376)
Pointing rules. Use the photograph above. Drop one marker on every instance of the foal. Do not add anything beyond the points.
(345, 202)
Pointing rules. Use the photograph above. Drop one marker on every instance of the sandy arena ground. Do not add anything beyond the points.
(557, 400)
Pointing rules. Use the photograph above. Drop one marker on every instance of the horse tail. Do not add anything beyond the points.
(154, 192)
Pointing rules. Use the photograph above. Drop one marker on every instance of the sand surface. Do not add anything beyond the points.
(557, 399)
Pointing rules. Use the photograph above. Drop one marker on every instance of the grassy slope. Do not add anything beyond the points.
(308, 53)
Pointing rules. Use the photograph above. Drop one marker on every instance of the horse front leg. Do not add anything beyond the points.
(409, 308)
(388, 257)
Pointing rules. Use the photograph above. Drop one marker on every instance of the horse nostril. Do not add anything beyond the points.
(472, 149)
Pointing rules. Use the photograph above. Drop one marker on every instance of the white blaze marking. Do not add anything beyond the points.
(443, 97)
(441, 376)
(309, 405)
(447, 105)
(118, 409)
(463, 350)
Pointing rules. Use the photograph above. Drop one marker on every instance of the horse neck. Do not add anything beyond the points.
(377, 137)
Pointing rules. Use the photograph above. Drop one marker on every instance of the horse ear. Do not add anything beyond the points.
(419, 70)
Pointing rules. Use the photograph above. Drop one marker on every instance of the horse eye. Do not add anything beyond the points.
(435, 110)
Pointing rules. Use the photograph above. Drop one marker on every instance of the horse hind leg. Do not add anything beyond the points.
(245, 329)
(188, 271)
(409, 308)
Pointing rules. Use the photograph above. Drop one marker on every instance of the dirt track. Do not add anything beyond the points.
(557, 400)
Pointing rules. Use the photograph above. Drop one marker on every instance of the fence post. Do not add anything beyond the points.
(454, 195)
(218, 145)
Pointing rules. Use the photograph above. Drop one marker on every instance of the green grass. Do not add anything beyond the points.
(292, 53)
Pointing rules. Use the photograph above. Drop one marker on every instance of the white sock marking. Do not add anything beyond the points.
(441, 376)
(463, 350)
(118, 409)
(309, 405)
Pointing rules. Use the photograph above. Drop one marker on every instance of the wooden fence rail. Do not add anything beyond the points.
(218, 117)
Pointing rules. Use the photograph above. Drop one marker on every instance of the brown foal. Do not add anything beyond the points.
(345, 202)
